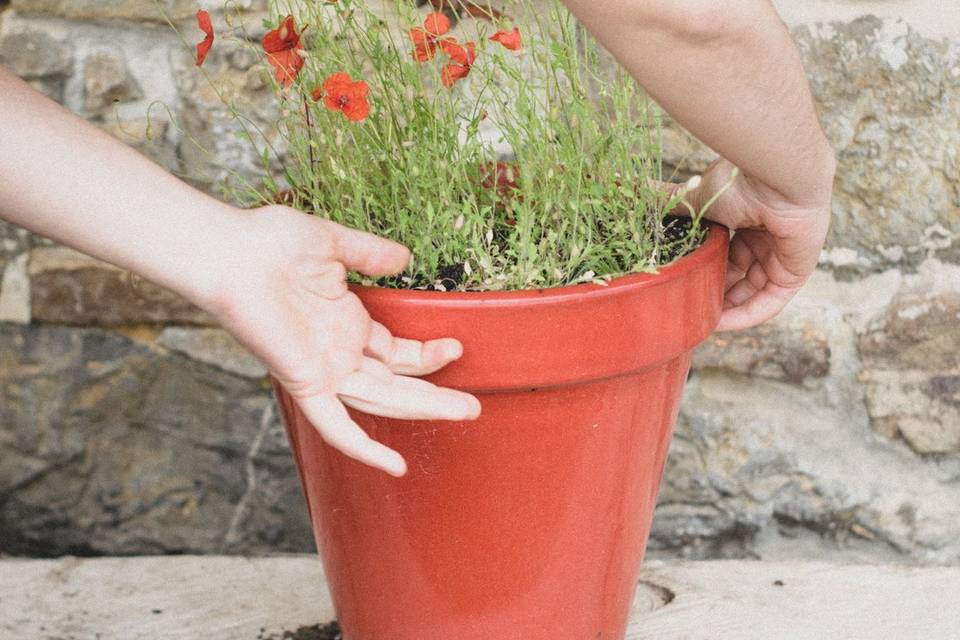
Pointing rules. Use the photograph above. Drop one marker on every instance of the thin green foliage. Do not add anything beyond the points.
(541, 168)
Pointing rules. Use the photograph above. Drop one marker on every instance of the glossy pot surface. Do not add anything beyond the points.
(529, 523)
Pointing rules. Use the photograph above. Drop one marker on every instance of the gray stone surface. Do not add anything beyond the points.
(216, 148)
(15, 290)
(892, 109)
(70, 288)
(109, 447)
(14, 280)
(107, 81)
(912, 372)
(784, 349)
(35, 54)
(223, 598)
(13, 240)
(761, 467)
(214, 347)
(832, 431)
(889, 99)
(114, 10)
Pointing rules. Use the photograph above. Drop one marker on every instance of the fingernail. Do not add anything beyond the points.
(396, 465)
(474, 409)
(455, 350)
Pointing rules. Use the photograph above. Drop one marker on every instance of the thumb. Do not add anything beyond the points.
(712, 195)
(690, 195)
(367, 253)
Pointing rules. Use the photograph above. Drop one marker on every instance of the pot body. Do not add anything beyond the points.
(531, 521)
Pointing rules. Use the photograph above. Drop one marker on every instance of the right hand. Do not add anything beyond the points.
(286, 299)
(775, 245)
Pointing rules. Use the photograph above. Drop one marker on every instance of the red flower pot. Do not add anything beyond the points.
(529, 523)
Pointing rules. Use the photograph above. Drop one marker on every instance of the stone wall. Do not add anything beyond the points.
(130, 425)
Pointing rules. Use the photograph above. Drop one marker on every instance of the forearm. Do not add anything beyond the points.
(730, 74)
(63, 178)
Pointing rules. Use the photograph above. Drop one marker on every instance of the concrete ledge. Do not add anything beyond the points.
(232, 598)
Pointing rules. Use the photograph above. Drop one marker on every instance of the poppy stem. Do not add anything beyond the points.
(306, 114)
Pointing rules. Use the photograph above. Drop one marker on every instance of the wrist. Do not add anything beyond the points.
(811, 190)
(203, 255)
(814, 188)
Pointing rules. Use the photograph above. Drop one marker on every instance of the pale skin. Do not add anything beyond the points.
(275, 278)
(733, 77)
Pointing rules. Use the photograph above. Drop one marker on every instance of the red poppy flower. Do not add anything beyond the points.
(203, 48)
(461, 60)
(509, 39)
(425, 39)
(436, 24)
(282, 46)
(340, 92)
(501, 175)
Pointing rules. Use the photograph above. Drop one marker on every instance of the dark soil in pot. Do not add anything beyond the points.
(450, 276)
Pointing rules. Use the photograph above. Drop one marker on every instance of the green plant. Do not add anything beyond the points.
(504, 158)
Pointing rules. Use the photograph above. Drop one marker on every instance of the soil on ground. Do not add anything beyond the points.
(330, 631)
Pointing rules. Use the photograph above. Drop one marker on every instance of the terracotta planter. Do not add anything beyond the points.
(529, 523)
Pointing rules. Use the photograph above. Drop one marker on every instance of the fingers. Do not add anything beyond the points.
(367, 253)
(376, 390)
(754, 309)
(331, 420)
(741, 255)
(750, 297)
(739, 293)
(734, 275)
(411, 357)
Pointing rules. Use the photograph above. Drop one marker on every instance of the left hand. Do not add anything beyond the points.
(286, 299)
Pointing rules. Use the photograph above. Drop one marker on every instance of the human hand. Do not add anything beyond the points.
(286, 299)
(775, 246)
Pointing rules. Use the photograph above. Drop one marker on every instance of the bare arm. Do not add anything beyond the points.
(274, 277)
(63, 178)
(730, 74)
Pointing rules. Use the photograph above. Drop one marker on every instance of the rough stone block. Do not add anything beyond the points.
(214, 347)
(911, 369)
(13, 240)
(763, 474)
(14, 290)
(68, 287)
(33, 54)
(889, 100)
(114, 10)
(216, 149)
(107, 446)
(782, 349)
(107, 81)
(133, 10)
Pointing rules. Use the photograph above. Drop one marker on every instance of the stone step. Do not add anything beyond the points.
(285, 597)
